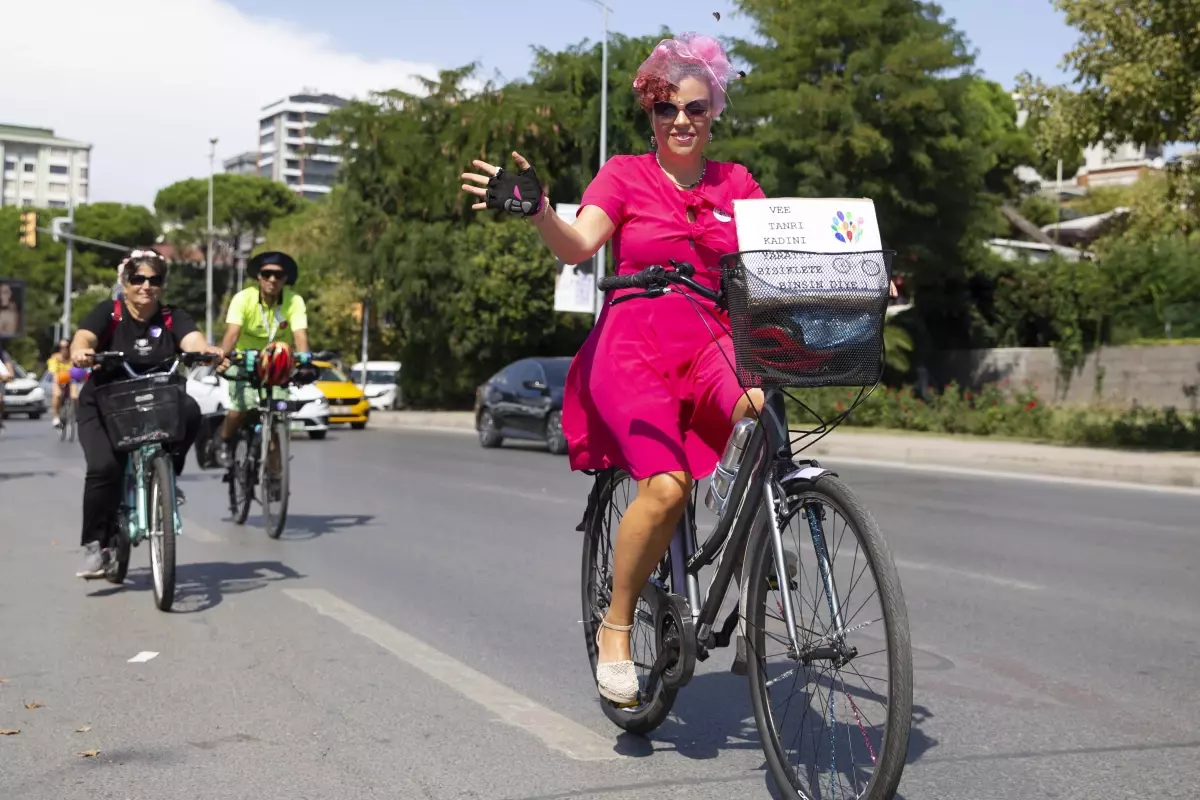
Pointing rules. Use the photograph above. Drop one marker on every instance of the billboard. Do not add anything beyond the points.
(12, 308)
(574, 284)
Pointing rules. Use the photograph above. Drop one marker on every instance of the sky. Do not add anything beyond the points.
(149, 82)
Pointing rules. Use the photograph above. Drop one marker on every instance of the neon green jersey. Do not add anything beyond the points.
(261, 323)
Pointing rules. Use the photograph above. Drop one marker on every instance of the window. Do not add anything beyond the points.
(265, 170)
(526, 371)
(60, 188)
(556, 371)
(294, 116)
(57, 170)
(295, 133)
(267, 138)
(83, 173)
(27, 202)
(58, 203)
(292, 180)
(10, 163)
(293, 163)
(30, 167)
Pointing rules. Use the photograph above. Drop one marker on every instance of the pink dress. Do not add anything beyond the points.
(650, 390)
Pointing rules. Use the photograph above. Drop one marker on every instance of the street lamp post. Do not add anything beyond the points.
(600, 262)
(208, 275)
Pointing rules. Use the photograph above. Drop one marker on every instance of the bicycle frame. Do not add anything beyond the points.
(137, 495)
(769, 448)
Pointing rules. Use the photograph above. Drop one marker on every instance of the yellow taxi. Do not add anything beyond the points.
(347, 403)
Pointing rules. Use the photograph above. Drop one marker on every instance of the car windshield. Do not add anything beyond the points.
(332, 374)
(556, 372)
(385, 376)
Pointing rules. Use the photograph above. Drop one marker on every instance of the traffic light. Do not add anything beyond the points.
(29, 229)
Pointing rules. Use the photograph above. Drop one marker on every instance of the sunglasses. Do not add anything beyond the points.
(667, 110)
(154, 280)
(272, 274)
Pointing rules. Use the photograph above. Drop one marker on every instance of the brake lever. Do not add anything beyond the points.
(657, 291)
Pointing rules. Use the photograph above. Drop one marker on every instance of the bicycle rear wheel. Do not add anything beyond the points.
(615, 490)
(859, 738)
(275, 500)
(242, 472)
(162, 531)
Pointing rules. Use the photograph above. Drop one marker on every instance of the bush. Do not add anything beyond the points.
(1006, 411)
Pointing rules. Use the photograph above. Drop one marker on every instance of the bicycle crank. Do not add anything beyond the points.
(676, 640)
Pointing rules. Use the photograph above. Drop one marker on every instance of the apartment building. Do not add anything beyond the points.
(287, 150)
(40, 169)
(242, 163)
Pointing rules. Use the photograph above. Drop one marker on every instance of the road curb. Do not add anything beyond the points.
(1180, 470)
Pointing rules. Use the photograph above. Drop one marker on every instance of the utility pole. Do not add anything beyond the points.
(208, 275)
(66, 330)
(600, 254)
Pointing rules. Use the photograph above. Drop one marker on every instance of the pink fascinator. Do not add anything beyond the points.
(689, 54)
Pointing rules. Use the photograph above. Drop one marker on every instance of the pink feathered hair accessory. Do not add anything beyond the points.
(674, 59)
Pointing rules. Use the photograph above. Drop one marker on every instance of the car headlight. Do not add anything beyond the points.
(37, 394)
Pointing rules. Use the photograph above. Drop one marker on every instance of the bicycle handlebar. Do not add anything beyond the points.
(656, 281)
(111, 358)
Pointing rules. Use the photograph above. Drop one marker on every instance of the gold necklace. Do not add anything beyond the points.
(703, 169)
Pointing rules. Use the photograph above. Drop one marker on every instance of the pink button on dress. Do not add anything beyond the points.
(650, 391)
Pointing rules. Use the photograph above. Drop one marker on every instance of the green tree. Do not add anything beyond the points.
(877, 98)
(128, 225)
(244, 206)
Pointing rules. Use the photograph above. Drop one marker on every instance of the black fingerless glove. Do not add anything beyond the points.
(515, 192)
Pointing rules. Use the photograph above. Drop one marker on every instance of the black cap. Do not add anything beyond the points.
(274, 257)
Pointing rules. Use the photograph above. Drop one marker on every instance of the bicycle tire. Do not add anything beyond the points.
(119, 551)
(240, 472)
(646, 717)
(889, 767)
(162, 480)
(274, 521)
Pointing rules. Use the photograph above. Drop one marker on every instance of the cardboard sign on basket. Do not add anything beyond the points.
(819, 245)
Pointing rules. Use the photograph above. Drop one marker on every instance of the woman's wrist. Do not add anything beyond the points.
(542, 214)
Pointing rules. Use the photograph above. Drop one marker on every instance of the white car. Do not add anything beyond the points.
(24, 395)
(211, 393)
(383, 383)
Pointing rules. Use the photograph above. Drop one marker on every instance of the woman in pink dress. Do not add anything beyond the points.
(649, 391)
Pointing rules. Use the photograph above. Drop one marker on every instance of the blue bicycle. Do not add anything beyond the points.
(143, 417)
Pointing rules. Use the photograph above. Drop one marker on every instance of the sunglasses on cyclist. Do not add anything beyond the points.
(272, 274)
(154, 280)
(667, 110)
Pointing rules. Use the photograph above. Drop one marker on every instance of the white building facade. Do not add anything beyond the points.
(41, 170)
(287, 150)
(242, 164)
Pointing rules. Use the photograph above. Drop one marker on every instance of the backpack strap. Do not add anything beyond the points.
(114, 320)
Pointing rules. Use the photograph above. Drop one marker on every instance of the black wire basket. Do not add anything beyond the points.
(142, 411)
(805, 320)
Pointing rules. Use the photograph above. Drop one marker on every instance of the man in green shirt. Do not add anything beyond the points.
(258, 315)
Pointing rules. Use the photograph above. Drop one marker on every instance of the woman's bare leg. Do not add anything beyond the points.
(642, 539)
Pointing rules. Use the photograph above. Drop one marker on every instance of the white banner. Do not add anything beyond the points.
(574, 284)
(829, 226)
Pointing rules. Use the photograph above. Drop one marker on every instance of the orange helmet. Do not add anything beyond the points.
(275, 364)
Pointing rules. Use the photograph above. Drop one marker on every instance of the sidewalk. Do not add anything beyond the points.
(1160, 469)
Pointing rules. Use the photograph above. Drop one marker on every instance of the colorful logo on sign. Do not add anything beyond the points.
(845, 227)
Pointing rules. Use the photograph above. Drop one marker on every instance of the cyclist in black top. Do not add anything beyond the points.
(148, 333)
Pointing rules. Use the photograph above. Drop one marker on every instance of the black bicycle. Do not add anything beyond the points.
(259, 468)
(797, 320)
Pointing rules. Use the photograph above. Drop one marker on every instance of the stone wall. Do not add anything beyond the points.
(1123, 376)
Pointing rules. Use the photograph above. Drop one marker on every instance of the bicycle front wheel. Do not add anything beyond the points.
(275, 475)
(162, 531)
(834, 717)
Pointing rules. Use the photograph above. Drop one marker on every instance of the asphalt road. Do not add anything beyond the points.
(415, 634)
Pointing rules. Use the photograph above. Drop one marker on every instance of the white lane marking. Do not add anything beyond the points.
(903, 564)
(831, 462)
(554, 730)
(142, 657)
(510, 492)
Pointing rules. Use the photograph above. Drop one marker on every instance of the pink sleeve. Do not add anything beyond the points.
(606, 193)
(752, 190)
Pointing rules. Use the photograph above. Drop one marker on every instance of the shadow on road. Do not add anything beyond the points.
(199, 587)
(310, 526)
(713, 713)
(16, 476)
